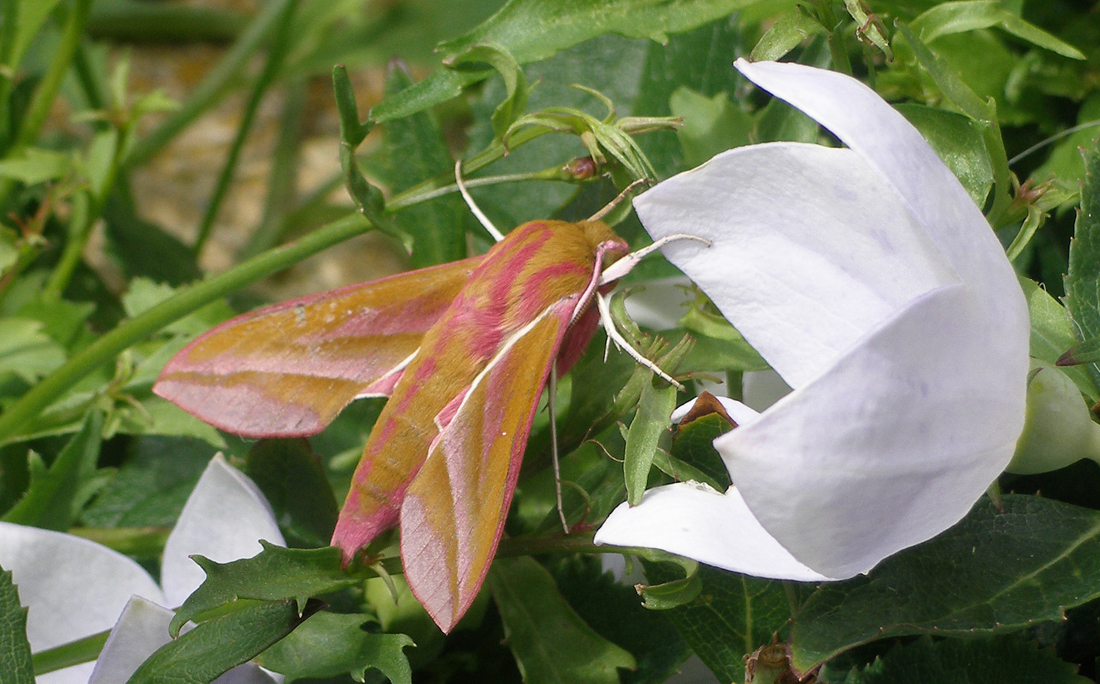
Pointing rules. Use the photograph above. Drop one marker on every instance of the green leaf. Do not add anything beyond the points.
(1088, 351)
(779, 121)
(788, 31)
(218, 645)
(34, 165)
(698, 59)
(15, 650)
(958, 142)
(1052, 334)
(1082, 280)
(993, 572)
(551, 643)
(55, 497)
(732, 616)
(26, 351)
(711, 124)
(328, 645)
(151, 486)
(693, 444)
(972, 15)
(293, 480)
(143, 248)
(967, 661)
(533, 30)
(417, 151)
(650, 422)
(513, 106)
(613, 610)
(274, 574)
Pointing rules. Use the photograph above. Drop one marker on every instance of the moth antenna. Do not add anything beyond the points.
(621, 343)
(476, 210)
(554, 443)
(625, 265)
(610, 206)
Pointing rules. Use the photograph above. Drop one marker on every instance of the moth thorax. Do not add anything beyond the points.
(603, 239)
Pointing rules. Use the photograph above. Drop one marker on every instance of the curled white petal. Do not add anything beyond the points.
(223, 519)
(693, 520)
(141, 630)
(871, 282)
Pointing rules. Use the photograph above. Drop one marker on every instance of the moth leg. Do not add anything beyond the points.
(607, 209)
(550, 402)
(476, 210)
(620, 342)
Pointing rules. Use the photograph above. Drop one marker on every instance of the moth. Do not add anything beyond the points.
(462, 350)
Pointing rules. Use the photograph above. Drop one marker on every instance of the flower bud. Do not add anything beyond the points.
(1058, 428)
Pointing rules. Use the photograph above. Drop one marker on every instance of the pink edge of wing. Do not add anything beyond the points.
(288, 369)
(453, 514)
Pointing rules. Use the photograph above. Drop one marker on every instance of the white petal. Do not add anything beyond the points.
(223, 519)
(808, 248)
(72, 587)
(695, 521)
(900, 156)
(888, 448)
(142, 629)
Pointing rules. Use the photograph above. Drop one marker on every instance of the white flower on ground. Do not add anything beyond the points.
(870, 281)
(74, 588)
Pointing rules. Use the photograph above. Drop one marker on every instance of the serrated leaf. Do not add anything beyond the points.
(328, 645)
(274, 574)
(293, 480)
(993, 572)
(55, 497)
(732, 616)
(1082, 280)
(218, 645)
(552, 644)
(968, 661)
(650, 422)
(417, 152)
(15, 650)
(532, 30)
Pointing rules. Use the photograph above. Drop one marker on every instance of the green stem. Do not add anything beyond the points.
(132, 21)
(9, 30)
(73, 653)
(212, 88)
(282, 183)
(44, 95)
(18, 418)
(46, 92)
(275, 56)
(142, 542)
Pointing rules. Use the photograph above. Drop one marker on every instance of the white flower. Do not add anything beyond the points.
(74, 588)
(872, 283)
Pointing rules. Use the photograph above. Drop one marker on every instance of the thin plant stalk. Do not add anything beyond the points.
(275, 58)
